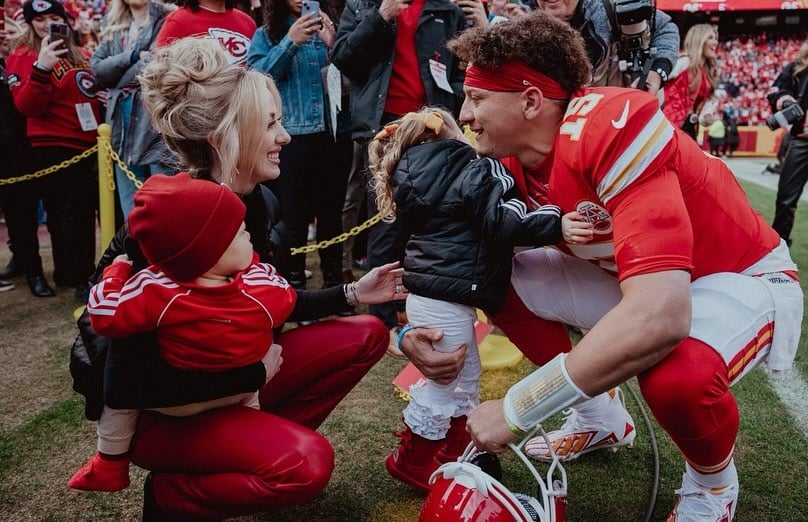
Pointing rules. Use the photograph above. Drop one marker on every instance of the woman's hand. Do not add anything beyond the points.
(380, 285)
(272, 361)
(304, 28)
(50, 53)
(327, 32)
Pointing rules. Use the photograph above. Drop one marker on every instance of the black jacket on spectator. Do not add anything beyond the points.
(787, 84)
(364, 52)
(464, 221)
(13, 140)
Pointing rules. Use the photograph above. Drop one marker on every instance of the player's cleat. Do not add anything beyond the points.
(100, 474)
(697, 503)
(609, 427)
(413, 462)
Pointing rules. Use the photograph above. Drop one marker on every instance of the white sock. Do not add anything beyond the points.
(725, 477)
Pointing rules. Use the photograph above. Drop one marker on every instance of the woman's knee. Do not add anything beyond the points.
(312, 463)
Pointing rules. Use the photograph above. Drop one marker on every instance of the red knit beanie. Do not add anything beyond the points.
(184, 225)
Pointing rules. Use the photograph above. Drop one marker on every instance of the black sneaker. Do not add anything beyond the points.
(6, 286)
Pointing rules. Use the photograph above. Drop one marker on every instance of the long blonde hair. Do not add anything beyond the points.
(385, 151)
(117, 18)
(694, 49)
(208, 110)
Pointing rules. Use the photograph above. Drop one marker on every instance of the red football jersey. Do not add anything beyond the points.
(232, 29)
(656, 200)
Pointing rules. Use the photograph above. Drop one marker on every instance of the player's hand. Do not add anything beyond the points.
(390, 9)
(441, 367)
(272, 361)
(304, 28)
(488, 429)
(575, 229)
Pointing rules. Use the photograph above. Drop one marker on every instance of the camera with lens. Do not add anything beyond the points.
(634, 19)
(790, 114)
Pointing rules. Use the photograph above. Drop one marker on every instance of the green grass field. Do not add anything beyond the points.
(44, 437)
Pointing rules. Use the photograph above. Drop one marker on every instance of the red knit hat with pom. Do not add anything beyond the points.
(184, 225)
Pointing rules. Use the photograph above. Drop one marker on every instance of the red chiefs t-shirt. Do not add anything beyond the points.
(657, 201)
(232, 29)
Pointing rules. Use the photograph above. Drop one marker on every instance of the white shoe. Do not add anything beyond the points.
(697, 503)
(610, 427)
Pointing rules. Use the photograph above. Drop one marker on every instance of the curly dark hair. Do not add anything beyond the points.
(276, 18)
(540, 40)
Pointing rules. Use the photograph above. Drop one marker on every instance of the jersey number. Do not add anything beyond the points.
(579, 107)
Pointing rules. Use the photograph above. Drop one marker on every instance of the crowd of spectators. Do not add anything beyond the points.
(748, 66)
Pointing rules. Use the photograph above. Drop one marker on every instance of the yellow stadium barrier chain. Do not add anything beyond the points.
(129, 174)
(338, 239)
(50, 170)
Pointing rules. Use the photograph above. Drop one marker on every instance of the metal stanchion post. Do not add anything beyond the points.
(106, 186)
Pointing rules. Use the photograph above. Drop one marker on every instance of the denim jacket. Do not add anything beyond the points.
(296, 71)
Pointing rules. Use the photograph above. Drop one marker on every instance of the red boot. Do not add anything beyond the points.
(100, 474)
(457, 439)
(413, 462)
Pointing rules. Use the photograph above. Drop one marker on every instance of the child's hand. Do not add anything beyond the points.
(575, 229)
(122, 258)
(272, 361)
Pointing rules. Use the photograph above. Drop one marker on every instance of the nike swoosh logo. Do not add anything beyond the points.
(619, 124)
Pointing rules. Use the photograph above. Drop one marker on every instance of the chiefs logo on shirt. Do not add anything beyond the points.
(597, 215)
(235, 44)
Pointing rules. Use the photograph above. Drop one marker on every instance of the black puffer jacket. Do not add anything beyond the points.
(365, 49)
(464, 220)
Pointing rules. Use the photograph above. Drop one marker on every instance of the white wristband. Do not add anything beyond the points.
(544, 392)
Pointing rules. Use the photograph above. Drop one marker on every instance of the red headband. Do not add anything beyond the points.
(513, 76)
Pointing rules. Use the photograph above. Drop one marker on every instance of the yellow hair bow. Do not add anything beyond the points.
(432, 121)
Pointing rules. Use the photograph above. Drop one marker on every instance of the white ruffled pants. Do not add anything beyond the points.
(433, 405)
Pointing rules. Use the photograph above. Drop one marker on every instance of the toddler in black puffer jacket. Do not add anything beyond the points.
(463, 220)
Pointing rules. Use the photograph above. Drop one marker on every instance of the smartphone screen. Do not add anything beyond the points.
(310, 6)
(58, 32)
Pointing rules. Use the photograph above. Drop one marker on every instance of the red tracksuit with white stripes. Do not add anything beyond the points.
(198, 327)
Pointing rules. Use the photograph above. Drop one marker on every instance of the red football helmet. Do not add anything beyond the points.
(463, 492)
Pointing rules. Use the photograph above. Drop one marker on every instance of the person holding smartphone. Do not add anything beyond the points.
(53, 87)
(292, 46)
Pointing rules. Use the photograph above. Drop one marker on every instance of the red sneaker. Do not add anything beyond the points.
(457, 440)
(100, 474)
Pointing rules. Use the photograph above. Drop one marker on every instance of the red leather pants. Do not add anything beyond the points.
(237, 460)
